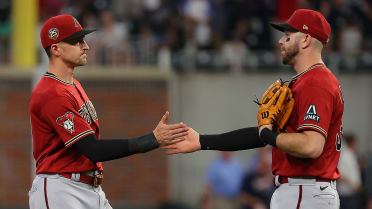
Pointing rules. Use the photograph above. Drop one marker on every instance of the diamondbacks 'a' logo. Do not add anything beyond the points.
(67, 121)
(53, 33)
(311, 114)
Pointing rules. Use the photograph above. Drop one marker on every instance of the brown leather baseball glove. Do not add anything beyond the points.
(275, 106)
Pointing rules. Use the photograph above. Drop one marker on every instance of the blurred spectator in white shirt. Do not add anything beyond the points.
(349, 185)
(111, 45)
(235, 52)
(199, 10)
(351, 38)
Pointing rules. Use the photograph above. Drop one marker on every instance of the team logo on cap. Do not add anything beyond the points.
(53, 33)
(67, 121)
(305, 27)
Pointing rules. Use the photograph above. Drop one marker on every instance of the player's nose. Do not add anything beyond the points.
(281, 40)
(85, 46)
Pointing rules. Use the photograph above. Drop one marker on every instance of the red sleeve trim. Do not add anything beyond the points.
(313, 127)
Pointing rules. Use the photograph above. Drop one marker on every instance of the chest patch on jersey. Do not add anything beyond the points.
(67, 121)
(311, 114)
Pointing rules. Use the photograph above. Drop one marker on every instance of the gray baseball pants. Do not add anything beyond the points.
(57, 192)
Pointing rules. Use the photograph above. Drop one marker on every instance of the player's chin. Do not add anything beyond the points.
(83, 59)
(83, 62)
(287, 59)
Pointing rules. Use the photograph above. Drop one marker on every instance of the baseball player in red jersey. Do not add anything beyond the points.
(305, 158)
(65, 127)
(306, 154)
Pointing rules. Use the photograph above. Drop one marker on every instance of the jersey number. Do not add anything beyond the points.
(338, 139)
(339, 134)
(340, 95)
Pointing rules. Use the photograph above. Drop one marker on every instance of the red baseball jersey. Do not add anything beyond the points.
(319, 106)
(61, 114)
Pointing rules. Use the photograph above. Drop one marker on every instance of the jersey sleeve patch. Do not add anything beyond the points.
(67, 121)
(313, 127)
(311, 114)
(77, 137)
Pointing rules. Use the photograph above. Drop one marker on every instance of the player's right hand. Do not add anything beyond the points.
(190, 144)
(169, 134)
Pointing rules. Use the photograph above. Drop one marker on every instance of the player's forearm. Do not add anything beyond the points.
(297, 145)
(110, 149)
(241, 139)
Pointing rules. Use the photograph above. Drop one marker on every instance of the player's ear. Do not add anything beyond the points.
(305, 41)
(55, 50)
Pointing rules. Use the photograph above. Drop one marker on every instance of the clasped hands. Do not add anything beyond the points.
(176, 138)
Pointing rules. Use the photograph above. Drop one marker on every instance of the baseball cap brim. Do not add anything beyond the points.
(79, 34)
(283, 27)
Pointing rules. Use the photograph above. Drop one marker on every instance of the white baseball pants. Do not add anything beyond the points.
(305, 194)
(57, 192)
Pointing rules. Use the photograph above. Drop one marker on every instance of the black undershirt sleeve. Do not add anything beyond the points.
(110, 149)
(241, 139)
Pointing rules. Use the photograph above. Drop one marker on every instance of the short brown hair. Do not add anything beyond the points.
(47, 50)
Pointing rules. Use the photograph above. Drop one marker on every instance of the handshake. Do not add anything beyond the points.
(178, 138)
(275, 108)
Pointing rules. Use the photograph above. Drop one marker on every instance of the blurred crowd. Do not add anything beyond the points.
(231, 185)
(212, 35)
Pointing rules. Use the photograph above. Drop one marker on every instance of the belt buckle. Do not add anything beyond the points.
(98, 179)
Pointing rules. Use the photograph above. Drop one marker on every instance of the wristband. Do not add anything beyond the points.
(268, 137)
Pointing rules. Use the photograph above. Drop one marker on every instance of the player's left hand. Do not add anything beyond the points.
(270, 127)
(167, 134)
(275, 106)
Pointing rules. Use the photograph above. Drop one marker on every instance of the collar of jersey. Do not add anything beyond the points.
(307, 70)
(51, 75)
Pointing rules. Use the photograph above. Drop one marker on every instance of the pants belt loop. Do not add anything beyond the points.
(333, 184)
(276, 181)
(75, 176)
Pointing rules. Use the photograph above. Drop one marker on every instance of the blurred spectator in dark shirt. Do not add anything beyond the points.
(258, 187)
(49, 8)
(5, 31)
